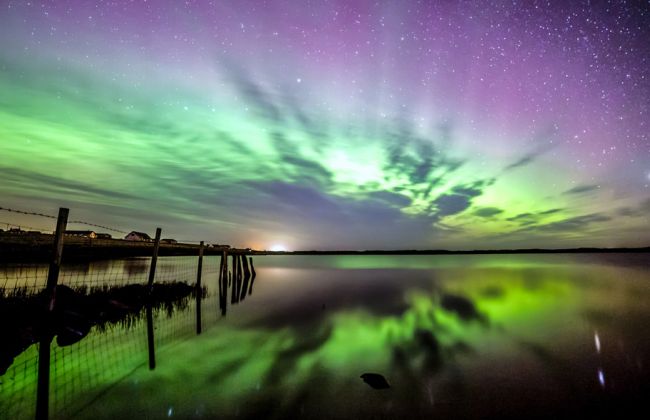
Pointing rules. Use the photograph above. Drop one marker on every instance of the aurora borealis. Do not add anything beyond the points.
(332, 124)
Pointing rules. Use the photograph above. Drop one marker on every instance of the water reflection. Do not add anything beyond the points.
(240, 281)
(473, 339)
(470, 341)
(78, 310)
(136, 266)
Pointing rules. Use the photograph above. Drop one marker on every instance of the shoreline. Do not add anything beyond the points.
(38, 248)
(583, 250)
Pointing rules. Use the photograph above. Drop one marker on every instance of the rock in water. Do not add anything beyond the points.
(375, 380)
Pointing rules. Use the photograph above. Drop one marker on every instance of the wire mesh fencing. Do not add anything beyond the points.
(114, 345)
(67, 340)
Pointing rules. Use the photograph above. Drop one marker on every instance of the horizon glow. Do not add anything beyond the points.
(334, 125)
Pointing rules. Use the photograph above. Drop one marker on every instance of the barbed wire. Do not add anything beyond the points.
(79, 222)
(31, 213)
(70, 222)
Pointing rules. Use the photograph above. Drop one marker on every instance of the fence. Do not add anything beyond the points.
(78, 328)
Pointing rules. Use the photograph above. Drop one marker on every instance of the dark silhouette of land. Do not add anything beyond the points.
(37, 247)
(34, 247)
(461, 252)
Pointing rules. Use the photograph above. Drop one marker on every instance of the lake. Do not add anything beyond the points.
(468, 336)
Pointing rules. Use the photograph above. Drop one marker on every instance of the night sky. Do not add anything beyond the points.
(332, 124)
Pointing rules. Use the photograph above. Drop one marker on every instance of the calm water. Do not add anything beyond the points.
(454, 336)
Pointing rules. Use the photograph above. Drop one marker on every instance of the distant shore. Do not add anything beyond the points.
(37, 248)
(463, 252)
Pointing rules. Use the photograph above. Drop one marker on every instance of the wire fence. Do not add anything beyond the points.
(106, 318)
(49, 216)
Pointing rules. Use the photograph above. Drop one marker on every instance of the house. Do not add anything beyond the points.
(169, 241)
(104, 236)
(81, 233)
(138, 236)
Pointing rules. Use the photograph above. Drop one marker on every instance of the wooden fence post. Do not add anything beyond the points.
(224, 258)
(43, 386)
(152, 275)
(154, 258)
(199, 290)
(223, 283)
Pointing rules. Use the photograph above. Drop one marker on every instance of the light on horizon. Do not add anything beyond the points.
(278, 248)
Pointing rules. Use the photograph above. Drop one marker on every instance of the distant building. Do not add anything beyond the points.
(104, 236)
(169, 241)
(138, 236)
(81, 233)
(19, 231)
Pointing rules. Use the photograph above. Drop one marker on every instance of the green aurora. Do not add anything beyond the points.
(219, 146)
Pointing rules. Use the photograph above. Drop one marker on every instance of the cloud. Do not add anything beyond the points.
(530, 157)
(397, 200)
(519, 217)
(32, 180)
(451, 204)
(372, 221)
(471, 191)
(487, 212)
(572, 224)
(525, 160)
(642, 209)
(261, 101)
(582, 189)
(551, 211)
(295, 166)
(418, 161)
(459, 199)
(528, 219)
(304, 199)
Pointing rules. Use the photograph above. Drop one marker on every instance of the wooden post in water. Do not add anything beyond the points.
(43, 387)
(239, 277)
(223, 283)
(233, 270)
(220, 266)
(234, 292)
(247, 276)
(253, 274)
(220, 282)
(247, 272)
(199, 290)
(152, 275)
(224, 258)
